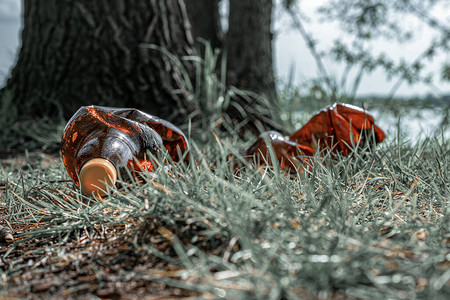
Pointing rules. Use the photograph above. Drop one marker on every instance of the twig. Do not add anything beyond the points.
(311, 46)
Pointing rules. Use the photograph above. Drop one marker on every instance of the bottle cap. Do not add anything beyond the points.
(96, 174)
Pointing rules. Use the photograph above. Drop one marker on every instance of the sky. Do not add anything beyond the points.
(9, 34)
(290, 51)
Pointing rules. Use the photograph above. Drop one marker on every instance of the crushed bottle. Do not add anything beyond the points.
(337, 128)
(100, 143)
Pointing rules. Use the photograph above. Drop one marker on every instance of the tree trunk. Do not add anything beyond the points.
(82, 52)
(205, 21)
(249, 63)
(249, 46)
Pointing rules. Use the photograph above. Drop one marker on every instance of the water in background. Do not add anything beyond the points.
(415, 124)
(411, 125)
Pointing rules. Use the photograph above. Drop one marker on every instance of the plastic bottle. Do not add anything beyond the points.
(336, 128)
(99, 143)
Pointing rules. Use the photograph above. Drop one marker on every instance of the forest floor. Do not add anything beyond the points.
(85, 266)
(373, 225)
(360, 227)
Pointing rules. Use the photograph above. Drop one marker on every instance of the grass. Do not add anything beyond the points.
(20, 132)
(357, 227)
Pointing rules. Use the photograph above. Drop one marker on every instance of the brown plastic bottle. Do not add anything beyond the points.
(99, 143)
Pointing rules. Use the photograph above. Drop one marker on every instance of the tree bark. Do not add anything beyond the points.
(82, 52)
(205, 21)
(249, 46)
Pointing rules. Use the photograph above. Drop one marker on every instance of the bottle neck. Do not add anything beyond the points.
(112, 148)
